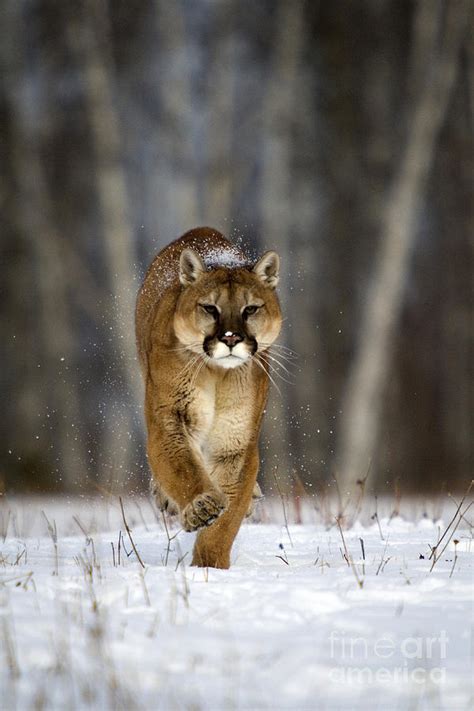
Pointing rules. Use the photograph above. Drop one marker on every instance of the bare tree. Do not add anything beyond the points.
(220, 119)
(314, 128)
(48, 272)
(275, 199)
(180, 179)
(89, 39)
(362, 408)
(306, 267)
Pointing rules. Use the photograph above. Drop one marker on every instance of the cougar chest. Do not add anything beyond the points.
(230, 432)
(222, 420)
(204, 411)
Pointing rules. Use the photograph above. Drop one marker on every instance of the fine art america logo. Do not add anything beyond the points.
(385, 660)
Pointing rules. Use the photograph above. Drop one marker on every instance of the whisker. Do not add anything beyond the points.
(281, 345)
(257, 359)
(278, 358)
(184, 348)
(281, 365)
(281, 356)
(188, 369)
(278, 374)
(287, 351)
(199, 367)
(189, 365)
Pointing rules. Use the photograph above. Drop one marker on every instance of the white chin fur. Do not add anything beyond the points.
(223, 356)
(229, 361)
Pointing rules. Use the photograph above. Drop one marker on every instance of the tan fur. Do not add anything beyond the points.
(205, 393)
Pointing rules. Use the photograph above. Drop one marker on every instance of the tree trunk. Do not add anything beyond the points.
(180, 178)
(363, 405)
(58, 406)
(278, 113)
(219, 168)
(89, 40)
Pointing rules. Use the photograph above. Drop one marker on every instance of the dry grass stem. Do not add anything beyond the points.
(130, 534)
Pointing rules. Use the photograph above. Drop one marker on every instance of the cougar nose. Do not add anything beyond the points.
(231, 339)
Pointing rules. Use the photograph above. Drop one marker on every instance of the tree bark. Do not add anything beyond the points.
(278, 112)
(220, 121)
(363, 405)
(179, 179)
(58, 405)
(89, 40)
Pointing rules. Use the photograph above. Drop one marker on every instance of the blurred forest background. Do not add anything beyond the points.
(337, 132)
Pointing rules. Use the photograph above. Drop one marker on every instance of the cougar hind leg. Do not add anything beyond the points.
(163, 502)
(257, 496)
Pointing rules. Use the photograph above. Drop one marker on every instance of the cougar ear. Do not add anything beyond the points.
(267, 269)
(191, 267)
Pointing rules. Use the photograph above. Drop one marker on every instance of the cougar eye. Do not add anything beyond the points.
(249, 310)
(210, 309)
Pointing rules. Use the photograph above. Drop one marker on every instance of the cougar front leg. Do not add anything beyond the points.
(214, 544)
(162, 501)
(181, 477)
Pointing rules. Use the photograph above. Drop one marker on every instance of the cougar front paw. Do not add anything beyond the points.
(203, 510)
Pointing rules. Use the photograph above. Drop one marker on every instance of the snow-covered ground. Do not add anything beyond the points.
(296, 623)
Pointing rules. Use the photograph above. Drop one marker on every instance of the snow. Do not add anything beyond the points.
(165, 275)
(230, 258)
(287, 627)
